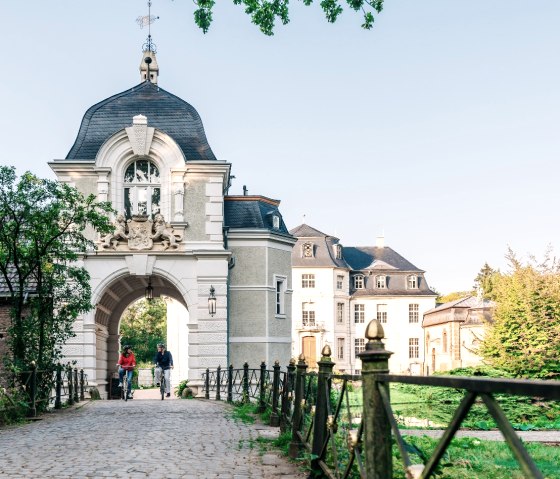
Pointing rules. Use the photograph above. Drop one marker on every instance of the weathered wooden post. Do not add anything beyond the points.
(58, 388)
(295, 444)
(287, 396)
(82, 385)
(207, 384)
(70, 386)
(230, 384)
(377, 429)
(245, 383)
(321, 408)
(76, 394)
(274, 418)
(33, 390)
(262, 391)
(218, 382)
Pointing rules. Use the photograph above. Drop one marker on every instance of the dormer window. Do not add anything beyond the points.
(276, 222)
(307, 250)
(412, 282)
(359, 281)
(381, 282)
(142, 193)
(338, 251)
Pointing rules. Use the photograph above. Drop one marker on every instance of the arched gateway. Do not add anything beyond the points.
(179, 231)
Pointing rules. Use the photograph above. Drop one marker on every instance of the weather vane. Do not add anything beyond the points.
(144, 21)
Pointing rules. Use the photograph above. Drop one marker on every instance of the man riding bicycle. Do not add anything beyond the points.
(164, 363)
(127, 363)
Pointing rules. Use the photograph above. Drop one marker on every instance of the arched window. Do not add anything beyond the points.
(444, 339)
(142, 193)
(338, 251)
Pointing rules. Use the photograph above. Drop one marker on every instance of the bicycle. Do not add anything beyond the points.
(124, 388)
(162, 382)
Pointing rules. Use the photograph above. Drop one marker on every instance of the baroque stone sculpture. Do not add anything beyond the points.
(141, 233)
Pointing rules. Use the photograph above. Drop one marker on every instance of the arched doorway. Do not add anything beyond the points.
(113, 301)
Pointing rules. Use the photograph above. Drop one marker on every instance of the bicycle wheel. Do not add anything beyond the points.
(162, 386)
(125, 387)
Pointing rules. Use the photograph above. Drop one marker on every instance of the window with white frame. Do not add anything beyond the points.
(339, 281)
(142, 189)
(340, 313)
(382, 313)
(413, 314)
(280, 292)
(381, 282)
(340, 348)
(308, 314)
(307, 280)
(412, 282)
(338, 251)
(359, 313)
(359, 346)
(413, 348)
(358, 281)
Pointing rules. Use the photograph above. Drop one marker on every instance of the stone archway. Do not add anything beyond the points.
(113, 300)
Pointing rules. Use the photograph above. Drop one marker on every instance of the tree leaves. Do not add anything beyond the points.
(264, 13)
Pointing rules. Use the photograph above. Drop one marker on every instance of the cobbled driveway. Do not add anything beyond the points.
(138, 439)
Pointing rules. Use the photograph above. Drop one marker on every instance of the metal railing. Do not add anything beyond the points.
(346, 422)
(42, 389)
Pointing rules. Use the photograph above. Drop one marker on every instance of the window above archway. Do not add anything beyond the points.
(142, 192)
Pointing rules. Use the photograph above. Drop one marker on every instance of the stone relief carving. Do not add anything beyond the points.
(141, 233)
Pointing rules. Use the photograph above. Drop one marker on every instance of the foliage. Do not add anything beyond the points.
(184, 384)
(524, 337)
(42, 240)
(143, 326)
(264, 13)
(13, 406)
(453, 296)
(436, 405)
(485, 280)
(472, 458)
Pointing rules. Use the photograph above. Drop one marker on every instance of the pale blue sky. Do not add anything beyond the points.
(438, 128)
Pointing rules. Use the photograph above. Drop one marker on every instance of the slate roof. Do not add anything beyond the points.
(363, 257)
(164, 111)
(324, 254)
(252, 212)
(466, 302)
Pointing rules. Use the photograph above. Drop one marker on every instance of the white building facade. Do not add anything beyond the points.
(179, 232)
(338, 290)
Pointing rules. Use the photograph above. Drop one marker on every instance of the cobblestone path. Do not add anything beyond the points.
(138, 439)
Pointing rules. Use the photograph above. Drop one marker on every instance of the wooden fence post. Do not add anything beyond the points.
(377, 429)
(295, 444)
(274, 417)
(321, 409)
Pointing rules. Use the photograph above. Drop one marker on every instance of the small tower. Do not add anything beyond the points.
(149, 69)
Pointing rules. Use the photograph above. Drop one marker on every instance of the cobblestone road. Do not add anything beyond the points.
(138, 439)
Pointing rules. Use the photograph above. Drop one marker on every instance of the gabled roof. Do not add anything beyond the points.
(252, 212)
(164, 111)
(306, 231)
(467, 302)
(363, 257)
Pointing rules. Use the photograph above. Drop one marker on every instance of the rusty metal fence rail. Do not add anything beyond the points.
(39, 390)
(346, 423)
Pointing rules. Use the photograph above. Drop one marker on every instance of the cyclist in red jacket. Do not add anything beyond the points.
(127, 362)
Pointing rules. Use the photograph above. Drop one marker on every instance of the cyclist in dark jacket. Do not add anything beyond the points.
(164, 363)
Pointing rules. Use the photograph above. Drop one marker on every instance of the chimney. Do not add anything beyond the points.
(380, 242)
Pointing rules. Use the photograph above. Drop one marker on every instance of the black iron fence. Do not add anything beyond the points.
(41, 389)
(346, 423)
